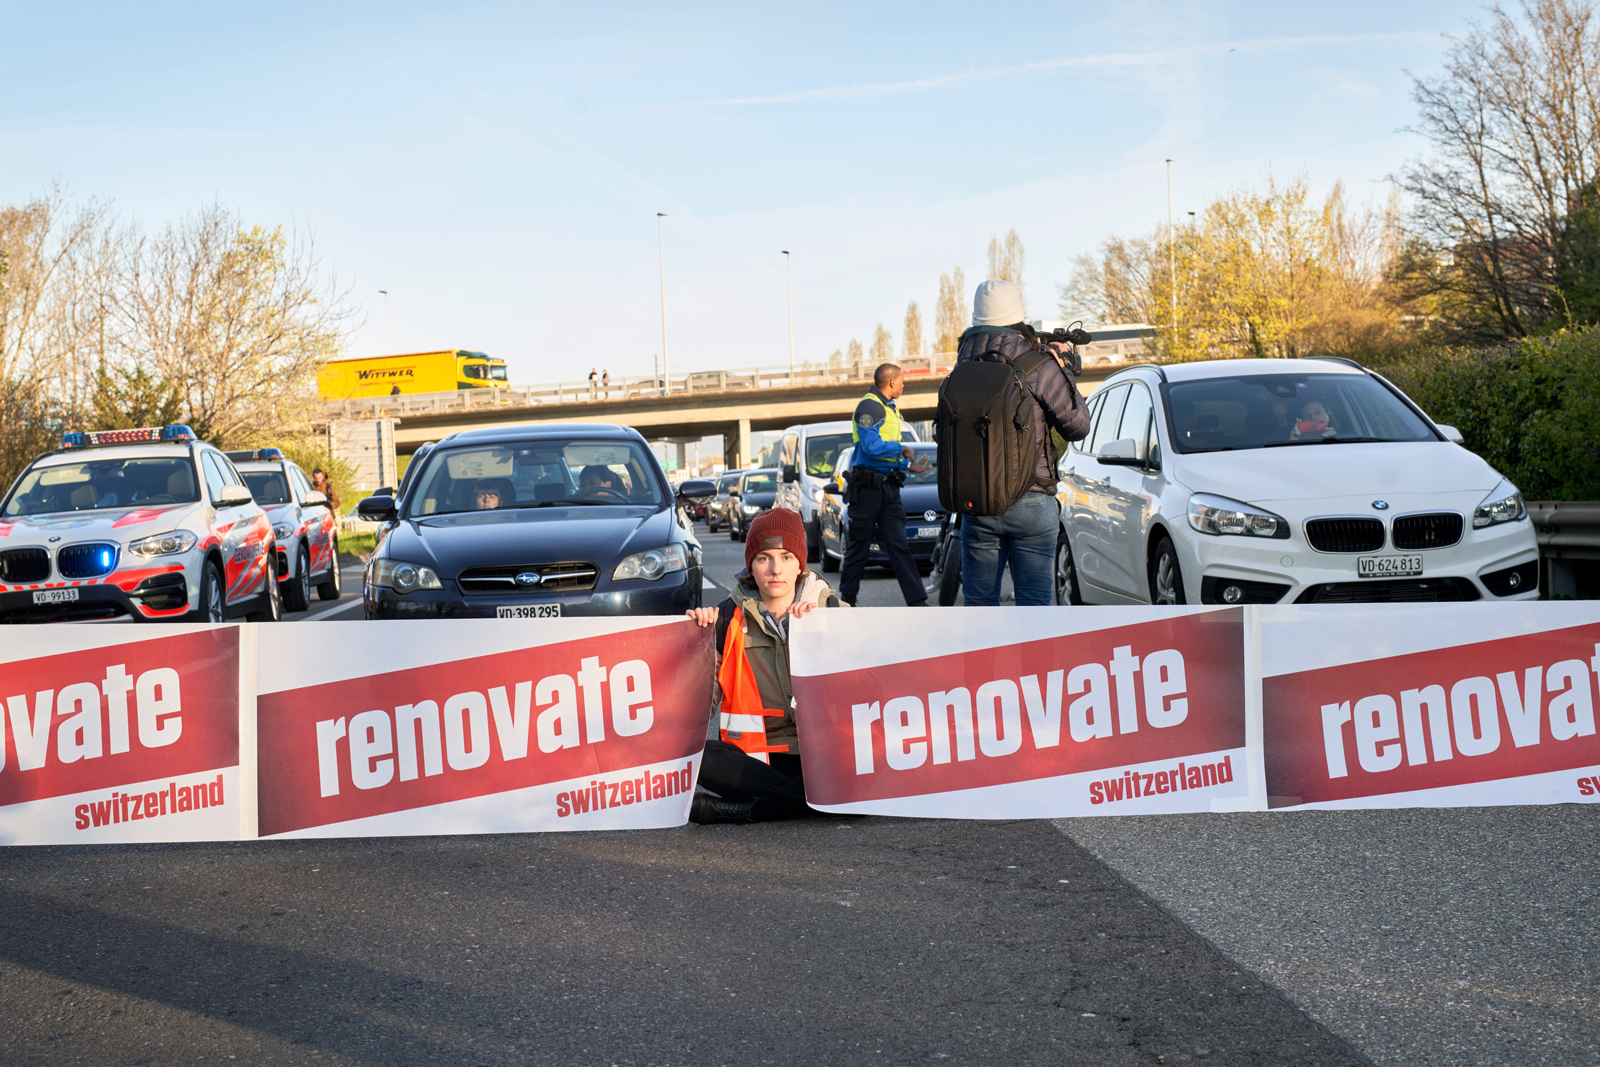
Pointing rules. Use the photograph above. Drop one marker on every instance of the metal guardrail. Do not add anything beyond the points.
(1569, 542)
(688, 382)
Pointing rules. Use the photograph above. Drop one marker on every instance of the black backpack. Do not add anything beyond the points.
(985, 430)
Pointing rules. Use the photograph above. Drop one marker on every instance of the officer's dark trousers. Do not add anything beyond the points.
(778, 789)
(880, 507)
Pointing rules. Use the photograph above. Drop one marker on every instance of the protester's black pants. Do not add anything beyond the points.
(777, 788)
(880, 507)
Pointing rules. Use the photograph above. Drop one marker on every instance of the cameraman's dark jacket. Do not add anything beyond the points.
(1060, 407)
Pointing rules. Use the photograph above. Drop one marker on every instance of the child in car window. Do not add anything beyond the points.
(1314, 421)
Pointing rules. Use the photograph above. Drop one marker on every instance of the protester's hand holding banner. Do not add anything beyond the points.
(1457, 705)
(120, 734)
(1018, 713)
(480, 726)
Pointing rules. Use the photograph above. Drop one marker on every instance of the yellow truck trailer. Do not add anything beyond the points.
(417, 372)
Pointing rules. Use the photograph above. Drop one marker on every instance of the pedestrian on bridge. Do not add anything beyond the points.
(594, 372)
(877, 471)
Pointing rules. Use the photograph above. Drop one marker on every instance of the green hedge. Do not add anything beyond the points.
(1532, 409)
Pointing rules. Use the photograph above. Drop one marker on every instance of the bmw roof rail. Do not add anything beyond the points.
(1340, 359)
(1160, 372)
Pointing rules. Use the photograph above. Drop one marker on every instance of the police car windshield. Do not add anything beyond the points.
(96, 484)
(1271, 410)
(530, 474)
(822, 452)
(268, 487)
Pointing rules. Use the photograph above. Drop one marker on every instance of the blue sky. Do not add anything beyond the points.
(498, 167)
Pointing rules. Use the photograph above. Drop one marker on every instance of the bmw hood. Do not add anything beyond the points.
(111, 524)
(1324, 472)
(599, 535)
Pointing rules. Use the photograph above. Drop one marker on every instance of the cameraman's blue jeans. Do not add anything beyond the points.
(1025, 536)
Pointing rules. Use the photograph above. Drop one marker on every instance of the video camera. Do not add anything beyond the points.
(1072, 336)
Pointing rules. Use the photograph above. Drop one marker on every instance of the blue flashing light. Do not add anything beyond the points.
(177, 432)
(72, 440)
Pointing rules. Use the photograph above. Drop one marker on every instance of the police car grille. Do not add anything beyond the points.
(1440, 530)
(1345, 535)
(554, 578)
(20, 565)
(87, 561)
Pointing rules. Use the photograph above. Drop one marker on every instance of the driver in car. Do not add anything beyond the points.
(486, 495)
(1314, 420)
(601, 481)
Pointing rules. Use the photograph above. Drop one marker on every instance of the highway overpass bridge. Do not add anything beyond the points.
(733, 406)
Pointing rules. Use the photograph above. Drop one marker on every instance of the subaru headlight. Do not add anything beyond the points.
(402, 577)
(167, 544)
(1217, 515)
(652, 564)
(282, 530)
(1503, 505)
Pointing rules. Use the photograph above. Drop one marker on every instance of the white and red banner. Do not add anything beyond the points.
(120, 734)
(1021, 713)
(479, 726)
(1458, 705)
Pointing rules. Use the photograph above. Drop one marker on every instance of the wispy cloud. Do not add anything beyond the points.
(1108, 59)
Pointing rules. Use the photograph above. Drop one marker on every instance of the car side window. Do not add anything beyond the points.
(1136, 419)
(229, 473)
(214, 477)
(1093, 404)
(301, 486)
(1105, 427)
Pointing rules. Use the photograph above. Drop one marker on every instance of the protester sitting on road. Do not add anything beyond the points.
(1315, 420)
(753, 772)
(1028, 531)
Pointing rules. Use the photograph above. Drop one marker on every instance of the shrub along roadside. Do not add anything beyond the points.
(1532, 409)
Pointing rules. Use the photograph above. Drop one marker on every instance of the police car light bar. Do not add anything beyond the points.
(145, 435)
(256, 455)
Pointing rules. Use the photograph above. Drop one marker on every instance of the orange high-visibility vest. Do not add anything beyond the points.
(742, 713)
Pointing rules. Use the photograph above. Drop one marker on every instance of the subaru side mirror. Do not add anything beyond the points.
(377, 509)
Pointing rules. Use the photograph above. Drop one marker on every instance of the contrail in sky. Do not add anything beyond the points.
(1109, 59)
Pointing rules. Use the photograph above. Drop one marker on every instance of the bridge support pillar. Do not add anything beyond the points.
(736, 445)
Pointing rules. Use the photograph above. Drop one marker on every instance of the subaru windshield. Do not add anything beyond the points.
(95, 484)
(531, 474)
(1283, 410)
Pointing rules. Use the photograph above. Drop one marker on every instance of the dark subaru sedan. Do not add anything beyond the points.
(535, 522)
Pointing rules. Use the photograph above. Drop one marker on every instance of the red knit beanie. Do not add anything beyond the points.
(775, 528)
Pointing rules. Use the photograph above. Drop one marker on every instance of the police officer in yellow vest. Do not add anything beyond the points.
(877, 471)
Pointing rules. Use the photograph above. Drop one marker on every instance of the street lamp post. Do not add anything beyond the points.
(385, 293)
(661, 255)
(788, 270)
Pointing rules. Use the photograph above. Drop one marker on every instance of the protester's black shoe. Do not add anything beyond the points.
(707, 809)
(918, 603)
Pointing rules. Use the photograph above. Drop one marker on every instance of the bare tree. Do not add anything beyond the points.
(882, 345)
(1006, 258)
(853, 357)
(911, 334)
(950, 315)
(1506, 201)
(239, 318)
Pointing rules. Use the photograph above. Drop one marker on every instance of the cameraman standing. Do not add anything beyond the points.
(877, 471)
(1026, 534)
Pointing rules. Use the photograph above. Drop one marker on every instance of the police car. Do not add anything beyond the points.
(302, 523)
(147, 524)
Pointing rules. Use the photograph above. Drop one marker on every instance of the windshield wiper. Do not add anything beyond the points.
(1325, 441)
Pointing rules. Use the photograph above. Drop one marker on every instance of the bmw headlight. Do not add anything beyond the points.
(282, 530)
(167, 544)
(402, 577)
(1217, 515)
(652, 564)
(1502, 505)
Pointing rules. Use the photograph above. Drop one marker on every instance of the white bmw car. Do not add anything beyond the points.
(306, 529)
(1266, 481)
(146, 524)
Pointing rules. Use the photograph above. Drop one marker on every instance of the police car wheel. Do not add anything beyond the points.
(209, 607)
(297, 590)
(331, 587)
(269, 605)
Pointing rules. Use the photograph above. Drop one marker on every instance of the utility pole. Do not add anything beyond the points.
(385, 293)
(788, 270)
(661, 254)
(1172, 260)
